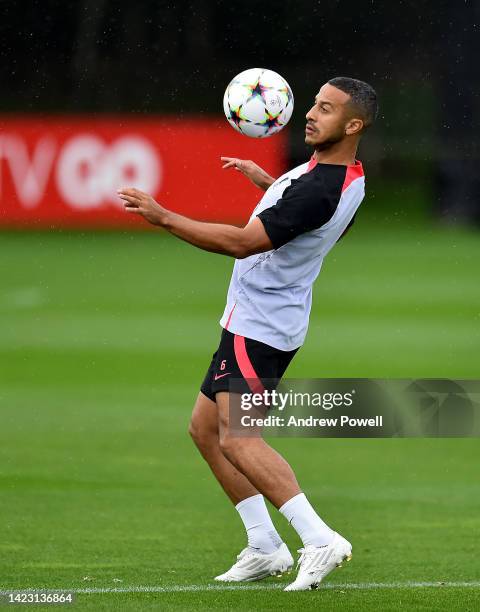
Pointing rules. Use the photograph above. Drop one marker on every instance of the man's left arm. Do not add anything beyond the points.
(215, 237)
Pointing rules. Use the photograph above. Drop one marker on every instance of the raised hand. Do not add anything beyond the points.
(249, 169)
(140, 203)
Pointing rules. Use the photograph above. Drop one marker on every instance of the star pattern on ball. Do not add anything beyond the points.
(236, 116)
(258, 91)
(271, 121)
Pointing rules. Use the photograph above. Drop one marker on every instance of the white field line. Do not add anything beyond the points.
(186, 588)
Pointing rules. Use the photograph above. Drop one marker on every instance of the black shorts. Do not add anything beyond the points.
(244, 365)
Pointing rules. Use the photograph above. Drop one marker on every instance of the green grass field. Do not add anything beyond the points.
(104, 340)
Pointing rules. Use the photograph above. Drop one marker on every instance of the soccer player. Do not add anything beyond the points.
(278, 256)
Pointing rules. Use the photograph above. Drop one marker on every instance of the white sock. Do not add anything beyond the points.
(306, 522)
(261, 531)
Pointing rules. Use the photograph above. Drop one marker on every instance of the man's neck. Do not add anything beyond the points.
(335, 156)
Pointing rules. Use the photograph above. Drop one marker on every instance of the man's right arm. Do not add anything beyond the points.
(251, 170)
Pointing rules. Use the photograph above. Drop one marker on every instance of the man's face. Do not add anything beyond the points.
(328, 117)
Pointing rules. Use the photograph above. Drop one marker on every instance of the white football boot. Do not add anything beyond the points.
(316, 562)
(254, 565)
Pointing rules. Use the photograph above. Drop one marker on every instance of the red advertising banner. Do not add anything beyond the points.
(63, 171)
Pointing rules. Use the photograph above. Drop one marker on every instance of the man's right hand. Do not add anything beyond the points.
(250, 169)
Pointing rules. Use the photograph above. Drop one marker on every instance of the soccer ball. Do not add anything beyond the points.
(258, 102)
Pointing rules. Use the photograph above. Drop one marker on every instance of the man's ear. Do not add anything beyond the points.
(354, 126)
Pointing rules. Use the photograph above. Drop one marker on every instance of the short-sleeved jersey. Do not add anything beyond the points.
(304, 213)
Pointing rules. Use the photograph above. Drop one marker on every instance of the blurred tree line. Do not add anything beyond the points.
(178, 57)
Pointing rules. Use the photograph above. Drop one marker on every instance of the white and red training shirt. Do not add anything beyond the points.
(304, 212)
